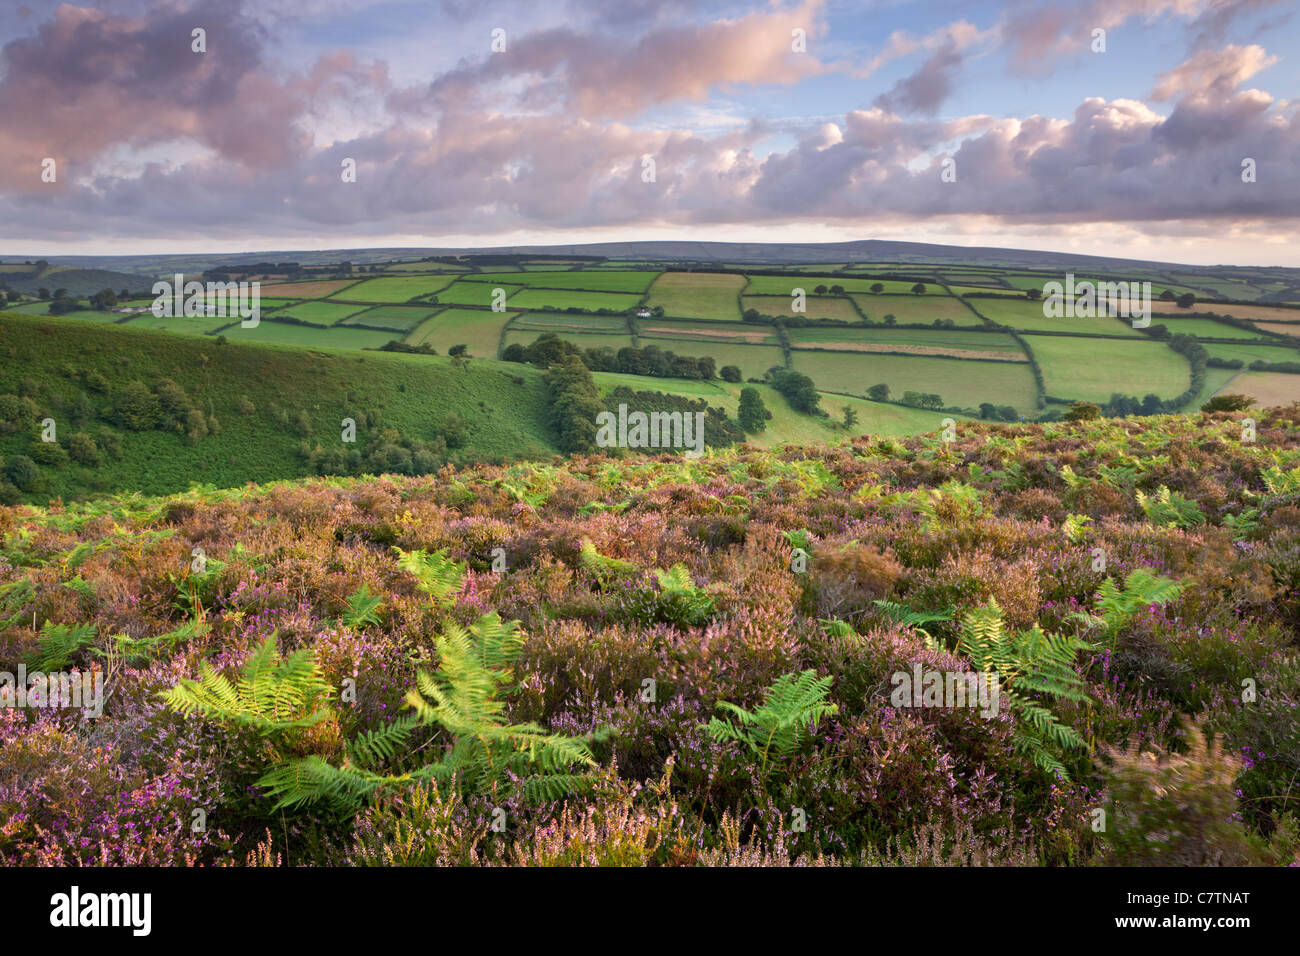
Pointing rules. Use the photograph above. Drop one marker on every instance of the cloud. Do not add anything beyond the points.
(1212, 73)
(925, 90)
(602, 75)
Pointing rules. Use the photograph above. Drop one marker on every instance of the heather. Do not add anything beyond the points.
(661, 661)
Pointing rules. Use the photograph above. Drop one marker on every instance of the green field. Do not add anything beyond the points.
(565, 299)
(786, 425)
(785, 285)
(610, 281)
(1092, 370)
(1251, 352)
(993, 344)
(193, 325)
(728, 332)
(394, 289)
(1204, 328)
(962, 383)
(282, 333)
(464, 292)
(480, 329)
(697, 295)
(915, 308)
(318, 313)
(561, 322)
(396, 318)
(815, 307)
(1028, 316)
(752, 360)
(583, 340)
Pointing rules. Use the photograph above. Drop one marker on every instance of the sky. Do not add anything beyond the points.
(1154, 129)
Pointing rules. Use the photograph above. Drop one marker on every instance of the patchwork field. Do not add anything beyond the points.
(915, 308)
(394, 289)
(561, 322)
(318, 313)
(479, 329)
(395, 318)
(1028, 317)
(187, 325)
(1205, 328)
(464, 292)
(815, 307)
(592, 281)
(1094, 369)
(752, 360)
(588, 340)
(305, 290)
(1267, 388)
(920, 341)
(697, 295)
(283, 333)
(712, 331)
(959, 382)
(530, 298)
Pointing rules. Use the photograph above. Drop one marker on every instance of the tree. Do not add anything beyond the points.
(850, 416)
(1082, 411)
(1228, 403)
(919, 288)
(798, 389)
(987, 410)
(889, 319)
(1007, 413)
(1167, 296)
(820, 290)
(1152, 404)
(1186, 300)
(456, 351)
(878, 393)
(1034, 294)
(729, 373)
(837, 290)
(877, 287)
(136, 407)
(752, 414)
(22, 471)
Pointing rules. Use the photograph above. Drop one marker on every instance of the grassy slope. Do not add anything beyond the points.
(506, 419)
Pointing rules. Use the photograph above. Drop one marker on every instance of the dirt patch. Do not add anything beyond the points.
(745, 335)
(305, 290)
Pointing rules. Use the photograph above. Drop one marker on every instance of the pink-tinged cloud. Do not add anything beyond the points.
(89, 81)
(599, 76)
(1040, 36)
(1213, 73)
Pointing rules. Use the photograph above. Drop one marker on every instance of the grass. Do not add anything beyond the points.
(305, 290)
(727, 332)
(395, 317)
(1028, 316)
(610, 281)
(1092, 370)
(786, 425)
(785, 285)
(697, 295)
(993, 344)
(586, 340)
(815, 306)
(916, 308)
(958, 382)
(464, 292)
(479, 329)
(1204, 328)
(395, 288)
(319, 313)
(284, 333)
(195, 325)
(567, 299)
(413, 394)
(559, 322)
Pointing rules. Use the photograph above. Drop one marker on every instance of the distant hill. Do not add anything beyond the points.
(770, 253)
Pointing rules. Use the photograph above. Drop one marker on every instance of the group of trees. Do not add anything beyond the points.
(798, 389)
(549, 349)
